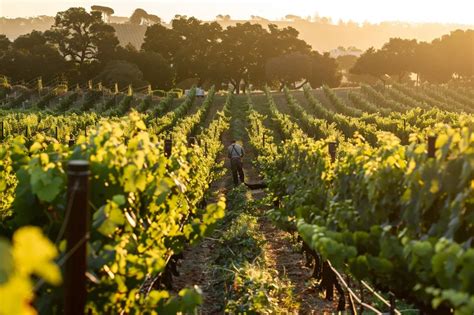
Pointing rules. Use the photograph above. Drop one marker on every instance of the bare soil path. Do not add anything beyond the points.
(280, 248)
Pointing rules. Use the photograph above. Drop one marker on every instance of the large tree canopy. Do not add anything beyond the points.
(141, 17)
(82, 37)
(155, 68)
(106, 12)
(29, 57)
(324, 70)
(189, 45)
(241, 53)
(238, 55)
(121, 72)
(439, 61)
(289, 69)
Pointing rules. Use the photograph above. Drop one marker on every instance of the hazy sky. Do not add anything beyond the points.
(444, 11)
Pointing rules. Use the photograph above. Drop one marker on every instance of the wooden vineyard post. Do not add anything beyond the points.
(276, 203)
(191, 141)
(56, 133)
(77, 229)
(258, 129)
(404, 124)
(263, 139)
(2, 130)
(392, 303)
(332, 148)
(71, 141)
(168, 147)
(431, 146)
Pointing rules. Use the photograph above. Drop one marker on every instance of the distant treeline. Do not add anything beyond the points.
(81, 46)
(445, 58)
(320, 32)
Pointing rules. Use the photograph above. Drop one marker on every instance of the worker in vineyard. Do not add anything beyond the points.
(235, 154)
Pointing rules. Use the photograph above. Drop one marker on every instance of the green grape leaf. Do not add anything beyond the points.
(46, 185)
(108, 218)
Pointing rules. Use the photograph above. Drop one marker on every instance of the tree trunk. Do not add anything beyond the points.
(236, 86)
(282, 85)
(301, 85)
(400, 77)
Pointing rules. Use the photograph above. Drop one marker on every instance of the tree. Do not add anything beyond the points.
(82, 38)
(346, 62)
(241, 52)
(29, 57)
(4, 44)
(105, 11)
(439, 61)
(154, 19)
(189, 46)
(289, 69)
(121, 72)
(457, 52)
(430, 65)
(162, 40)
(371, 62)
(396, 58)
(401, 54)
(197, 47)
(155, 68)
(141, 17)
(324, 70)
(138, 16)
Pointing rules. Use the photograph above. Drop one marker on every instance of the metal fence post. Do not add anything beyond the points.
(72, 141)
(332, 147)
(431, 146)
(168, 147)
(77, 228)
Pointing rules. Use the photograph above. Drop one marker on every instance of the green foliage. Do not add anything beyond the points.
(146, 207)
(386, 211)
(249, 284)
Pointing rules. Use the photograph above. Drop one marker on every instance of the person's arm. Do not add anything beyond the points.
(242, 152)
